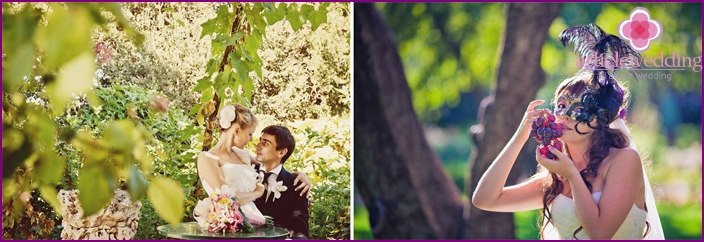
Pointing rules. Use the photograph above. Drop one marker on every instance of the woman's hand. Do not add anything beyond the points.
(305, 185)
(530, 115)
(259, 190)
(563, 166)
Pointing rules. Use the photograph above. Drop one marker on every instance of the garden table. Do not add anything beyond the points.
(190, 230)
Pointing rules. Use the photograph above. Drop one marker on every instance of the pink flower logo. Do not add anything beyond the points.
(640, 29)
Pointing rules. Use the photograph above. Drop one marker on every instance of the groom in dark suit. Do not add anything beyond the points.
(280, 201)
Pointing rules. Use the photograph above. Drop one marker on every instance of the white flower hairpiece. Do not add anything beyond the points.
(227, 115)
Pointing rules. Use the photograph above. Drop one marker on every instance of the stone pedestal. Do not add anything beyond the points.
(118, 221)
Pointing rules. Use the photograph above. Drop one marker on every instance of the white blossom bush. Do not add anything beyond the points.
(306, 73)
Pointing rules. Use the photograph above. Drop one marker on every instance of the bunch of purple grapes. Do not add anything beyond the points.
(546, 131)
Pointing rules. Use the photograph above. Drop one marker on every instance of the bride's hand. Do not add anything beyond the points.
(305, 185)
(564, 166)
(259, 189)
(528, 118)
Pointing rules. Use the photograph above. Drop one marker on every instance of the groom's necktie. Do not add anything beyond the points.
(266, 185)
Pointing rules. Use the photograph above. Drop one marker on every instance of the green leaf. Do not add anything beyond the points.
(50, 195)
(293, 17)
(254, 17)
(223, 24)
(90, 147)
(248, 87)
(66, 36)
(211, 67)
(12, 139)
(307, 9)
(141, 154)
(208, 27)
(19, 65)
(252, 66)
(200, 118)
(268, 6)
(236, 37)
(195, 109)
(324, 6)
(13, 159)
(167, 198)
(136, 184)
(222, 82)
(96, 187)
(317, 18)
(121, 135)
(276, 15)
(225, 39)
(76, 78)
(253, 42)
(246, 55)
(93, 100)
(203, 83)
(40, 128)
(240, 67)
(244, 101)
(207, 95)
(19, 28)
(50, 167)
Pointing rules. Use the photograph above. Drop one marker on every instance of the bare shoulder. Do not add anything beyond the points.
(623, 159)
(208, 158)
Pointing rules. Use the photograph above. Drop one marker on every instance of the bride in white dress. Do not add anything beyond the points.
(597, 188)
(228, 163)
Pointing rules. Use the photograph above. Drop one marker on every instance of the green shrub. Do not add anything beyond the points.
(323, 152)
(173, 133)
(175, 137)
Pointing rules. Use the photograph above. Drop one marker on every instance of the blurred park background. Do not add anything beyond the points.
(106, 96)
(449, 53)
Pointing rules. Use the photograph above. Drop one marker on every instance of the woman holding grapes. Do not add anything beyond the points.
(591, 183)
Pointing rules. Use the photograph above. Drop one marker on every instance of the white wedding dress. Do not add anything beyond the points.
(241, 178)
(565, 221)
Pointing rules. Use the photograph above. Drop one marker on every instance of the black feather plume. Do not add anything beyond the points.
(600, 50)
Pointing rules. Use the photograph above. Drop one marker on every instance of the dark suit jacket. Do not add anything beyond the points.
(290, 210)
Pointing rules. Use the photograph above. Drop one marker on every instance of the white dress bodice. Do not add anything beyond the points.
(565, 221)
(241, 178)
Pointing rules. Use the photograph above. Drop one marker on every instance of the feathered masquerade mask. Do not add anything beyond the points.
(601, 54)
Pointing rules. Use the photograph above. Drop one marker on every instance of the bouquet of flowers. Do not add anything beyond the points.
(220, 212)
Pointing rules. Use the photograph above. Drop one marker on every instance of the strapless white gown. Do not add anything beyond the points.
(241, 178)
(565, 221)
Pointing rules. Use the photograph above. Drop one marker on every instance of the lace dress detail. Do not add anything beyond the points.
(565, 221)
(242, 178)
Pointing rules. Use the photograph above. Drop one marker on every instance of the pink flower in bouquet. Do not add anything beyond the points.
(220, 212)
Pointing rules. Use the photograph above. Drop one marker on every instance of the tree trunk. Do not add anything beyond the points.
(398, 175)
(519, 76)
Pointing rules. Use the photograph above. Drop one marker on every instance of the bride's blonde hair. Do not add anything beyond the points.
(244, 117)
